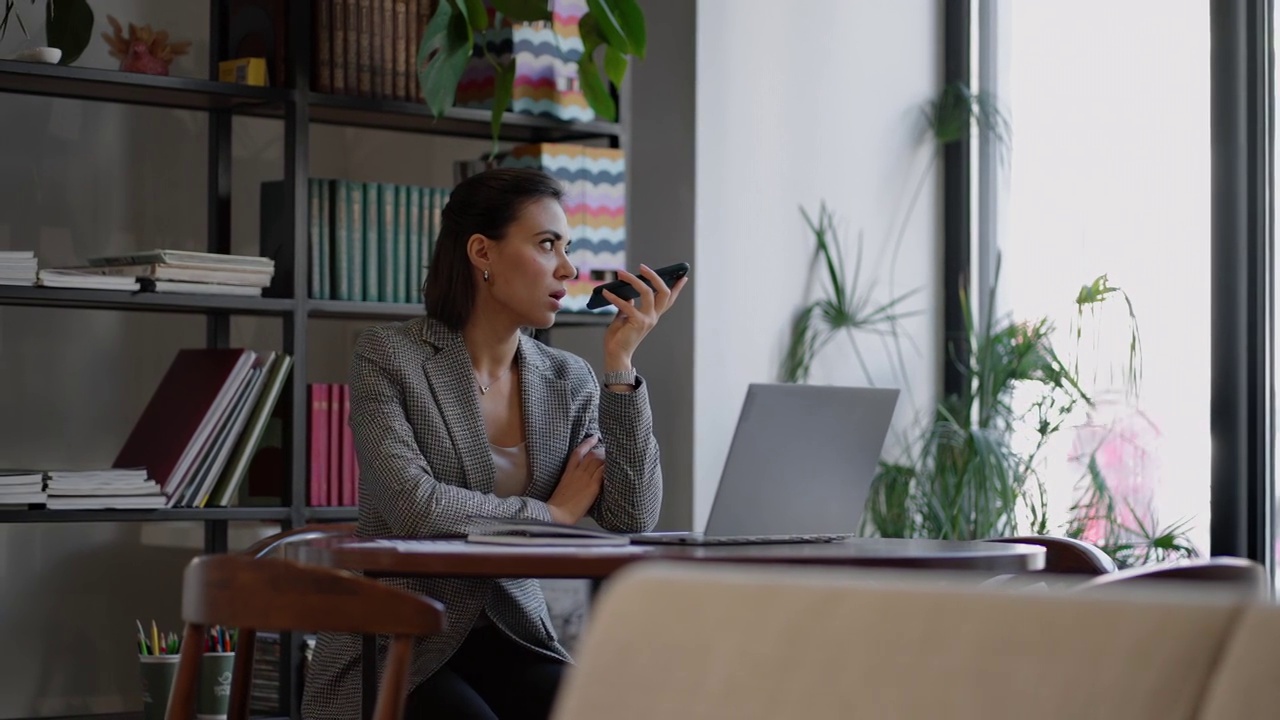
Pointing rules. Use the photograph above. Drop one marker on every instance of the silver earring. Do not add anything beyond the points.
(486, 276)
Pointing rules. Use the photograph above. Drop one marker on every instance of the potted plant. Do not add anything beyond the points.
(612, 32)
(972, 469)
(68, 25)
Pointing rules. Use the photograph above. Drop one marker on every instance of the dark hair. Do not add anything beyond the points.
(485, 203)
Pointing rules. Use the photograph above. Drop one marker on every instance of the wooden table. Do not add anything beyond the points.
(458, 558)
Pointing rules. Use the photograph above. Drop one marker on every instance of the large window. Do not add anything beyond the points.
(1109, 174)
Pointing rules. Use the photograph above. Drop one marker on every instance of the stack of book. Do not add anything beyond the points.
(367, 241)
(264, 689)
(17, 267)
(202, 425)
(82, 280)
(123, 489)
(20, 488)
(185, 271)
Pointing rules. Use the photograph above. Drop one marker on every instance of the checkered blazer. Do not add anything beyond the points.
(426, 467)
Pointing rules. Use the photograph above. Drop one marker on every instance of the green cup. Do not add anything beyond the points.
(158, 672)
(214, 696)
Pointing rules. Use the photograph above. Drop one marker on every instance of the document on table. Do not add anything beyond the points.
(462, 547)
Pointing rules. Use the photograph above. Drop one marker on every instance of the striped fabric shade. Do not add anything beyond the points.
(595, 183)
(546, 56)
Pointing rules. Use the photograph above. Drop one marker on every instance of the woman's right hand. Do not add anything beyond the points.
(580, 484)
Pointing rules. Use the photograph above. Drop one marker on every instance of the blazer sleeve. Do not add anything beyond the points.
(631, 497)
(395, 477)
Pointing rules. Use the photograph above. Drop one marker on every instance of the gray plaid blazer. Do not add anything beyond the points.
(426, 467)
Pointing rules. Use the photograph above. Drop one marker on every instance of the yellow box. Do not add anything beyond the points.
(244, 71)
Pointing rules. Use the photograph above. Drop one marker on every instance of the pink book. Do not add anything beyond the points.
(335, 447)
(319, 471)
(350, 492)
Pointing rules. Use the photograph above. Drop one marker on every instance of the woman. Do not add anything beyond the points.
(459, 414)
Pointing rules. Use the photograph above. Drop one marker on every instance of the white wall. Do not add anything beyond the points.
(797, 102)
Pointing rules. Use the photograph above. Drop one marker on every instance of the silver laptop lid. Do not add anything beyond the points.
(802, 459)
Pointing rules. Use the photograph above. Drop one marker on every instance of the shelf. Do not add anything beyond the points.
(408, 311)
(332, 513)
(457, 122)
(169, 514)
(132, 88)
(35, 296)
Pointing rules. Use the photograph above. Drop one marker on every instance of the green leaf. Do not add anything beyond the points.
(69, 27)
(523, 10)
(631, 21)
(503, 86)
(593, 89)
(606, 18)
(442, 57)
(615, 65)
(477, 16)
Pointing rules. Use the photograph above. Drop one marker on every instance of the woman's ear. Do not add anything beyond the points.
(478, 247)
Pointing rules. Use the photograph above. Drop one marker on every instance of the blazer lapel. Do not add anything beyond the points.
(545, 401)
(449, 373)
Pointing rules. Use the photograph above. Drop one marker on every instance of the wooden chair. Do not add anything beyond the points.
(272, 543)
(253, 594)
(1235, 575)
(1065, 556)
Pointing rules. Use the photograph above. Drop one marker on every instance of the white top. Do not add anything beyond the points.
(513, 470)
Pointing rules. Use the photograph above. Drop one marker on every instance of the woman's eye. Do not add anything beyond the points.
(548, 243)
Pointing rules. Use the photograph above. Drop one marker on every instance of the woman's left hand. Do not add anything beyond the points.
(636, 319)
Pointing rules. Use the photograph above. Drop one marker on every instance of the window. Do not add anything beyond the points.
(1108, 173)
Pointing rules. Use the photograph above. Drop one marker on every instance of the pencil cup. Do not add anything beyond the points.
(158, 672)
(215, 685)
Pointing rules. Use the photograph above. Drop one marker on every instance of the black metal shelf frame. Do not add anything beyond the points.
(300, 109)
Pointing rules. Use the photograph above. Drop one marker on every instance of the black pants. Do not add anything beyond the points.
(490, 677)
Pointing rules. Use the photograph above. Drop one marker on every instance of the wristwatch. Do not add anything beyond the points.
(624, 377)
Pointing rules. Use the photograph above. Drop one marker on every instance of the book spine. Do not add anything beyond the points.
(372, 241)
(387, 48)
(342, 239)
(319, 470)
(323, 37)
(356, 248)
(400, 38)
(336, 455)
(352, 41)
(313, 236)
(326, 239)
(390, 261)
(338, 47)
(364, 48)
(349, 487)
(413, 202)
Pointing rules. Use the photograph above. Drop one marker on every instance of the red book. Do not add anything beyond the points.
(319, 450)
(349, 484)
(335, 447)
(182, 412)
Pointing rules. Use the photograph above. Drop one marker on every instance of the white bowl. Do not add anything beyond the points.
(40, 54)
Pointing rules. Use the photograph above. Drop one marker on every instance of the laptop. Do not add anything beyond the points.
(799, 468)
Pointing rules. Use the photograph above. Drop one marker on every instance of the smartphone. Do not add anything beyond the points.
(670, 274)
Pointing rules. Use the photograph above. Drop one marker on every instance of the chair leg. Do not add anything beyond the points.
(395, 680)
(242, 675)
(182, 701)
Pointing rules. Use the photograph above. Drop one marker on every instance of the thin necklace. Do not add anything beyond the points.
(484, 389)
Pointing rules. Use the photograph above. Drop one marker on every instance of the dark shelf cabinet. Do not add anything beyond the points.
(299, 109)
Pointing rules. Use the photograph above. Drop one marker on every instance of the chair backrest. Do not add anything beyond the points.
(252, 593)
(271, 544)
(274, 594)
(714, 643)
(1066, 556)
(1239, 576)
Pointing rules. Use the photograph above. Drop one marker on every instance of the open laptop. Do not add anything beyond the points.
(799, 468)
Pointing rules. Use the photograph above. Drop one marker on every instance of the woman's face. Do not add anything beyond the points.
(529, 267)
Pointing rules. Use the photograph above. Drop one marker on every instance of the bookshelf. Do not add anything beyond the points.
(298, 108)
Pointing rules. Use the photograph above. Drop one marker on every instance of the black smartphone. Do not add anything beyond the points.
(670, 274)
